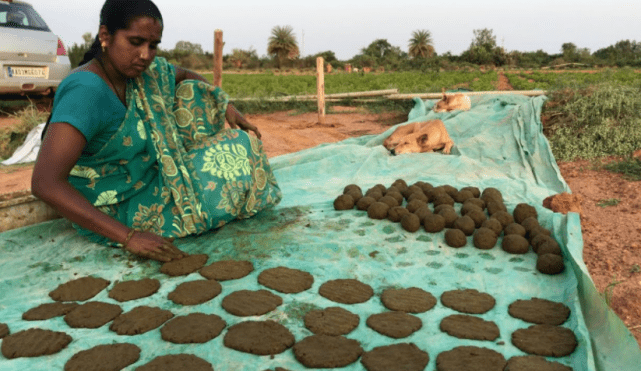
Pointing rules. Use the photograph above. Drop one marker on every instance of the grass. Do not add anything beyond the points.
(608, 202)
(607, 292)
(630, 167)
(12, 137)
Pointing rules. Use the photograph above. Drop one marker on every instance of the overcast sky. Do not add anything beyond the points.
(345, 27)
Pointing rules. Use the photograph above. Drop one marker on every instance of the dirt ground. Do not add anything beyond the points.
(611, 233)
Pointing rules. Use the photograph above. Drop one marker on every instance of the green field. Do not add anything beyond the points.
(272, 85)
(265, 85)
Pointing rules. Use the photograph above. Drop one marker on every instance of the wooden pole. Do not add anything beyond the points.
(218, 57)
(320, 90)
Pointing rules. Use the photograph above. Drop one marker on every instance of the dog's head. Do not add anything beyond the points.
(413, 143)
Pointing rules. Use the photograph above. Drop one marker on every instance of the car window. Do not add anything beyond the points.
(21, 16)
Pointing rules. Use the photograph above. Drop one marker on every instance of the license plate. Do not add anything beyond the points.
(32, 72)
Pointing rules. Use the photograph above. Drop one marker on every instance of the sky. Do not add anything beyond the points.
(346, 27)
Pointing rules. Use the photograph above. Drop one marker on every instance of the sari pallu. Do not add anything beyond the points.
(173, 168)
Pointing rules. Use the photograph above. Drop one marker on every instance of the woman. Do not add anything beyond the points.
(136, 153)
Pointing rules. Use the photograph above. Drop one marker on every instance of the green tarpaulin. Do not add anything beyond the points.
(498, 143)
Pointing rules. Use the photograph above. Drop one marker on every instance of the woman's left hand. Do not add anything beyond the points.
(236, 120)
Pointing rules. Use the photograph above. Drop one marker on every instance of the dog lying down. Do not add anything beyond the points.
(453, 102)
(419, 137)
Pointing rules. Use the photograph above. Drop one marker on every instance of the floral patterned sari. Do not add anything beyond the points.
(173, 168)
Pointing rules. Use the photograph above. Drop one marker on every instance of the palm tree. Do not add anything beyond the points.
(282, 44)
(421, 44)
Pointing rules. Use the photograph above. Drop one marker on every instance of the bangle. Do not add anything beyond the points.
(129, 235)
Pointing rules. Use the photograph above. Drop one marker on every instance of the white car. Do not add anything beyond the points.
(32, 58)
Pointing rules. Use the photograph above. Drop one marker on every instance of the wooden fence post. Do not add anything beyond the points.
(218, 57)
(320, 90)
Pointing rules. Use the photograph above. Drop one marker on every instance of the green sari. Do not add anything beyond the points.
(172, 168)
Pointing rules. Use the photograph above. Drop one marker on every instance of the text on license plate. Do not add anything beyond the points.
(26, 72)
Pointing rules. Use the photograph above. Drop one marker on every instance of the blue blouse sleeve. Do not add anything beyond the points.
(85, 101)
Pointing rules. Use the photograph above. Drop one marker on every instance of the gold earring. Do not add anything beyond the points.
(103, 44)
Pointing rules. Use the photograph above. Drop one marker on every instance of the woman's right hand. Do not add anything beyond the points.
(152, 246)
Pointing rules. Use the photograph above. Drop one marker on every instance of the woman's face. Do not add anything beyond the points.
(132, 50)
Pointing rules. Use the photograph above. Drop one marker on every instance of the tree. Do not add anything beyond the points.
(483, 49)
(282, 44)
(240, 57)
(77, 52)
(569, 52)
(420, 45)
(378, 49)
(186, 48)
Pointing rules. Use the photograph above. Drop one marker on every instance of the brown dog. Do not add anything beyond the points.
(453, 102)
(419, 137)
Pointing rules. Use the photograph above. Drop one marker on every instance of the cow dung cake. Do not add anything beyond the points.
(491, 193)
(34, 342)
(545, 340)
(134, 289)
(469, 206)
(470, 358)
(332, 321)
(464, 326)
(396, 195)
(476, 193)
(224, 270)
(418, 196)
(407, 192)
(494, 207)
(433, 223)
(177, 362)
(515, 244)
(410, 222)
(422, 213)
(80, 289)
(140, 320)
(346, 291)
(439, 208)
(514, 228)
(195, 292)
(192, 328)
(465, 224)
(450, 217)
(244, 303)
(462, 196)
(414, 205)
(324, 351)
(523, 211)
(402, 356)
(92, 314)
(286, 280)
(107, 357)
(549, 247)
(344, 202)
(394, 324)
(364, 203)
(540, 311)
(411, 300)
(550, 264)
(455, 238)
(530, 224)
(378, 210)
(389, 200)
(443, 199)
(396, 213)
(46, 311)
(477, 216)
(476, 202)
(538, 240)
(494, 225)
(534, 363)
(184, 266)
(352, 187)
(484, 238)
(468, 301)
(450, 190)
(504, 217)
(375, 194)
(4, 330)
(259, 337)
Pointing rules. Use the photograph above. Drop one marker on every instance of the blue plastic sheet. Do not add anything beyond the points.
(497, 144)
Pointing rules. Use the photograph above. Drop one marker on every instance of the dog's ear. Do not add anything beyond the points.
(422, 139)
(444, 96)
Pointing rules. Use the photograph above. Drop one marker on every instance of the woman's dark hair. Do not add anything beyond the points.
(117, 15)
